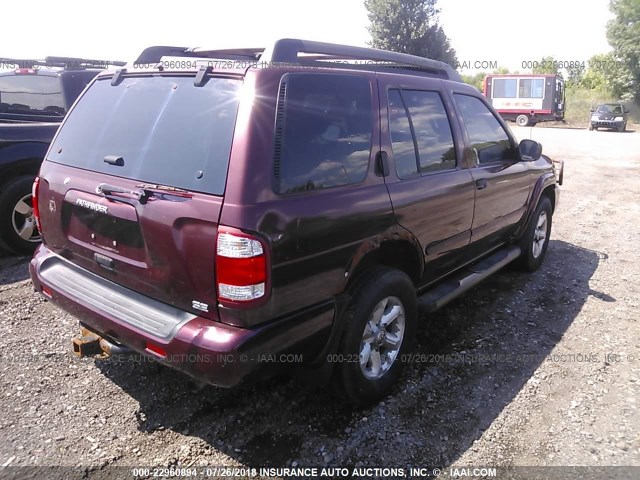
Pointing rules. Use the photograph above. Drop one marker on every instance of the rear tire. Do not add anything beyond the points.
(380, 329)
(522, 120)
(535, 241)
(17, 222)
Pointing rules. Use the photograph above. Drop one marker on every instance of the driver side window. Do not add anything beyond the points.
(486, 135)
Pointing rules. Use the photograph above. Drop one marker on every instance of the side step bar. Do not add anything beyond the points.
(436, 298)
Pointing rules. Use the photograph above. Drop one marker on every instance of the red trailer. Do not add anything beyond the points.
(526, 99)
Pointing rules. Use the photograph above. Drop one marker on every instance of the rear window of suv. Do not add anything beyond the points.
(167, 131)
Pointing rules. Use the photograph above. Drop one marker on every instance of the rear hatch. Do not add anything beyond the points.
(133, 183)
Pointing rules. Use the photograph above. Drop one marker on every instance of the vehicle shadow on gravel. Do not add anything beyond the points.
(496, 337)
(13, 268)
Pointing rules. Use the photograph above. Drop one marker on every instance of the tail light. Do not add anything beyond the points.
(241, 266)
(34, 202)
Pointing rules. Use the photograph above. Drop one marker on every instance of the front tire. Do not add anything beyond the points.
(535, 241)
(522, 120)
(380, 329)
(17, 222)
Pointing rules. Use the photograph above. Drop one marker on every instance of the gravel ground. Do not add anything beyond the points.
(538, 369)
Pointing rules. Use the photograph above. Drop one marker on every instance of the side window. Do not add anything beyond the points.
(418, 123)
(432, 130)
(504, 87)
(323, 131)
(486, 135)
(531, 88)
(404, 150)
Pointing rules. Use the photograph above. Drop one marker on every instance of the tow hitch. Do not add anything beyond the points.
(89, 344)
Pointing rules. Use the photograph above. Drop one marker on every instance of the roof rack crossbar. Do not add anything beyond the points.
(84, 61)
(155, 54)
(62, 62)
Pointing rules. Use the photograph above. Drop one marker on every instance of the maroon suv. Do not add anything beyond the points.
(233, 212)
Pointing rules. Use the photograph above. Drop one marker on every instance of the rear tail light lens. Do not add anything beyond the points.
(241, 266)
(34, 202)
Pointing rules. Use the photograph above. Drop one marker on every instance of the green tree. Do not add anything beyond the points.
(575, 73)
(475, 80)
(546, 65)
(599, 74)
(409, 26)
(623, 34)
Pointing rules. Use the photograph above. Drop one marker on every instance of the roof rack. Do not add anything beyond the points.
(310, 53)
(155, 54)
(68, 63)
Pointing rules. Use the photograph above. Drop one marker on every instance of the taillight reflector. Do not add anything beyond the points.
(35, 190)
(161, 352)
(241, 266)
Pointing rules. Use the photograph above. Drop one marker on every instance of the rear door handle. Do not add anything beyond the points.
(481, 184)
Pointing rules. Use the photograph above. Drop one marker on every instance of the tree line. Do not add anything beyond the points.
(412, 26)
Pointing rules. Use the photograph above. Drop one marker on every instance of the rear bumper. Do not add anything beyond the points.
(209, 351)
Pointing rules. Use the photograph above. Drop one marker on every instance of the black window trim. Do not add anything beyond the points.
(415, 140)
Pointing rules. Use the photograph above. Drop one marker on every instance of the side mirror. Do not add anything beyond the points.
(529, 150)
(592, 110)
(626, 110)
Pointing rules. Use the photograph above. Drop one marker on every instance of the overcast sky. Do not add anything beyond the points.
(505, 32)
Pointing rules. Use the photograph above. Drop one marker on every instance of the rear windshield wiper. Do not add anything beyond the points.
(141, 195)
(151, 188)
(146, 191)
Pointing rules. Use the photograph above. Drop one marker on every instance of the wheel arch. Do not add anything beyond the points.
(544, 187)
(400, 252)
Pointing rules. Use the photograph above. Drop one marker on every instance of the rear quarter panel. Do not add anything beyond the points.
(313, 236)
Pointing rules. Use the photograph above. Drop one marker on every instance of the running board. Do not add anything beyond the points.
(470, 276)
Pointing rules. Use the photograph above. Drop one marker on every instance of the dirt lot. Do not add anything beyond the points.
(543, 369)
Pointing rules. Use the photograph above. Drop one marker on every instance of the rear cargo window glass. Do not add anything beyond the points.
(167, 131)
(31, 94)
(323, 136)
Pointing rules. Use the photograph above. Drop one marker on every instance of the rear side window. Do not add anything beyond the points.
(167, 131)
(485, 133)
(31, 94)
(418, 122)
(323, 131)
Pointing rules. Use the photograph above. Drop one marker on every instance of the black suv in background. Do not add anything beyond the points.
(34, 98)
(232, 213)
(609, 115)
